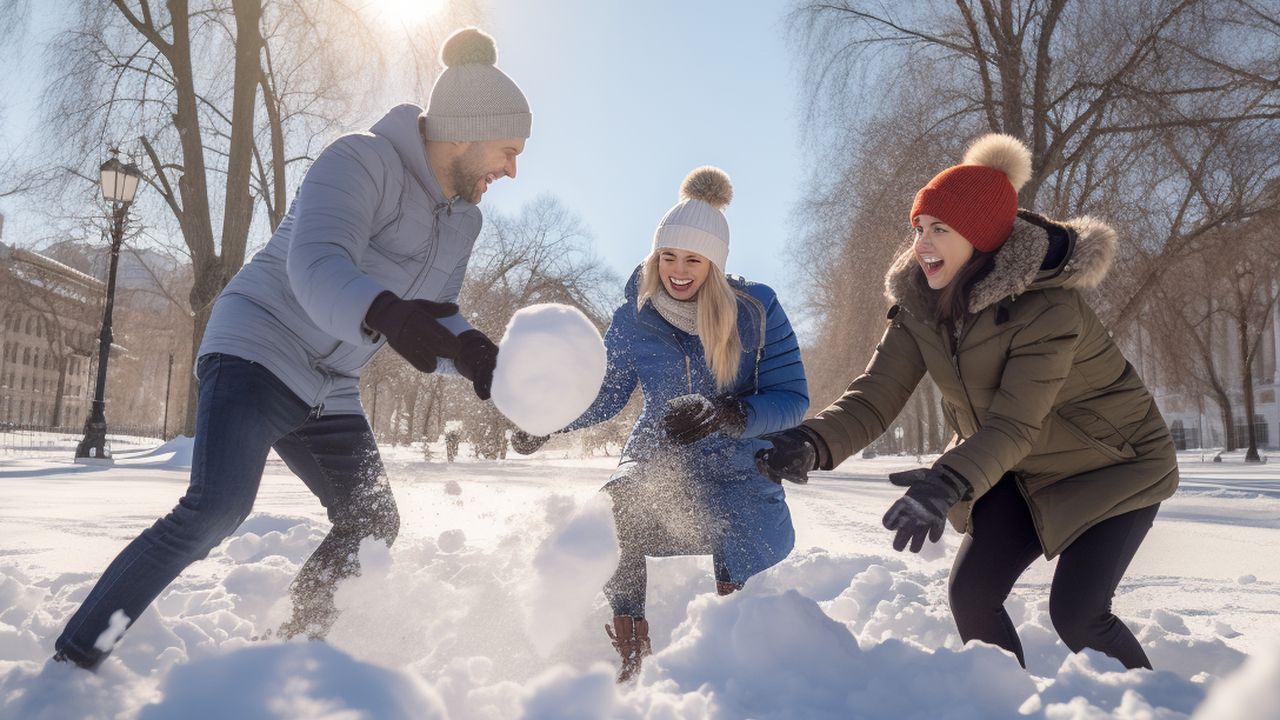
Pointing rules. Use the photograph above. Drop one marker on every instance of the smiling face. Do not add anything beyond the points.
(480, 163)
(940, 250)
(682, 272)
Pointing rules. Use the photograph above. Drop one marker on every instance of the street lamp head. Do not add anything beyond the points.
(119, 181)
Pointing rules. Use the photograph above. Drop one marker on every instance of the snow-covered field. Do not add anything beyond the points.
(488, 606)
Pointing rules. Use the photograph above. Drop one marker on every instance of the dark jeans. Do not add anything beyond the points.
(1003, 544)
(656, 515)
(244, 410)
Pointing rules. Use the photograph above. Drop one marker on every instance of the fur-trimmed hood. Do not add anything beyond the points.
(1091, 246)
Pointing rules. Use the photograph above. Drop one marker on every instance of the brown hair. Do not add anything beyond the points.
(952, 302)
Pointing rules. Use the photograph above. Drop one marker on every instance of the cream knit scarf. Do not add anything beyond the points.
(681, 313)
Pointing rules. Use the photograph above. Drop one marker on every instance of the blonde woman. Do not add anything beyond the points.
(719, 366)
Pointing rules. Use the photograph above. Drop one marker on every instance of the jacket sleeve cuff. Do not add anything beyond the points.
(456, 323)
(823, 458)
(957, 464)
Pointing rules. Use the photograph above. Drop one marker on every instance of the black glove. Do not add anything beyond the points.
(525, 444)
(476, 361)
(690, 418)
(922, 510)
(793, 455)
(413, 329)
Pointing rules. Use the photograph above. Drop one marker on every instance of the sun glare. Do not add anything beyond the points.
(407, 13)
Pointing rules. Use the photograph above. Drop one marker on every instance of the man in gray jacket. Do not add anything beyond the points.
(372, 252)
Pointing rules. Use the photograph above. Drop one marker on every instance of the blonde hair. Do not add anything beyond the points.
(717, 318)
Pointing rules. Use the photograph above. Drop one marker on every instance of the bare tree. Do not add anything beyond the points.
(226, 101)
(1161, 117)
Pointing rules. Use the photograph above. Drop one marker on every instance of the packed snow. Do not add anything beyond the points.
(488, 606)
(551, 362)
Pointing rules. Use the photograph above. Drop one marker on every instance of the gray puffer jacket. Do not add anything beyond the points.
(369, 216)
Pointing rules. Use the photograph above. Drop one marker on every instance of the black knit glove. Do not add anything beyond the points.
(691, 418)
(476, 361)
(525, 444)
(793, 455)
(413, 329)
(922, 510)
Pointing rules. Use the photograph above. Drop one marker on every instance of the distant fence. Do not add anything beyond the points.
(44, 440)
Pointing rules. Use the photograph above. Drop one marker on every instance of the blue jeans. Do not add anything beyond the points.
(244, 411)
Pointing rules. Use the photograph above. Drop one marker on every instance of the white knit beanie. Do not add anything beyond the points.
(472, 99)
(697, 223)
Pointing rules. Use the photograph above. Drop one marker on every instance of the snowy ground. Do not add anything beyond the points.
(487, 607)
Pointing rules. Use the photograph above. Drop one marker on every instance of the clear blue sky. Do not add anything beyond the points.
(627, 97)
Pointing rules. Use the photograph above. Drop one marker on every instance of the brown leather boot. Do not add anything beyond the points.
(630, 636)
(723, 587)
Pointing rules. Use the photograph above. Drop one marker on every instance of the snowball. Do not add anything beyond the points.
(551, 363)
(451, 541)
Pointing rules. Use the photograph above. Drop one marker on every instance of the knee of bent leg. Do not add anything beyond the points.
(971, 601)
(1074, 622)
(205, 524)
(374, 514)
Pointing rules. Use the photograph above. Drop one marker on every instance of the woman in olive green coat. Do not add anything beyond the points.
(1061, 451)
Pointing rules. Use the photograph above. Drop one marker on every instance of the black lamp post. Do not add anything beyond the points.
(119, 185)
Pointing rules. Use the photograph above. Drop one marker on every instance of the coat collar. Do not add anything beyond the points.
(400, 127)
(1092, 245)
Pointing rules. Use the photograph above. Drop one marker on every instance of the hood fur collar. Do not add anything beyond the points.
(1017, 264)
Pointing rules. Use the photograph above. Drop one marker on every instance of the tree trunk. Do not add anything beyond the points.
(1228, 423)
(1246, 389)
(62, 388)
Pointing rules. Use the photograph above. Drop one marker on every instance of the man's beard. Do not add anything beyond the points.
(465, 177)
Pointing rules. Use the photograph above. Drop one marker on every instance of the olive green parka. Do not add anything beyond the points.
(1031, 382)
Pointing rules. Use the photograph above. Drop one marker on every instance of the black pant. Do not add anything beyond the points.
(1003, 543)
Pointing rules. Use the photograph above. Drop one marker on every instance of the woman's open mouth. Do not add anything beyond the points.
(932, 264)
(680, 284)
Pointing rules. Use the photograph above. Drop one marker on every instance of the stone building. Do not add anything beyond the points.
(49, 320)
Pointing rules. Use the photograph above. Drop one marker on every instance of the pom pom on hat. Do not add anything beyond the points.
(708, 184)
(1004, 153)
(469, 46)
(472, 100)
(697, 223)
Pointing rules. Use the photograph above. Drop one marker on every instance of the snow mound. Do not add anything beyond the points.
(292, 680)
(175, 453)
(569, 568)
(551, 363)
(1253, 691)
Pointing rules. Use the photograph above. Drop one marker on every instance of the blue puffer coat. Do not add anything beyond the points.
(666, 362)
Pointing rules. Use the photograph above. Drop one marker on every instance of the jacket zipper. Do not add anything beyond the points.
(953, 345)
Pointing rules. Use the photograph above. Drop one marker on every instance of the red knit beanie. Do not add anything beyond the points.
(979, 198)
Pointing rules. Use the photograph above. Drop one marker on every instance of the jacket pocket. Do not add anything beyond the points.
(1097, 432)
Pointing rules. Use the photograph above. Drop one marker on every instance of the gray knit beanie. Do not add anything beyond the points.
(696, 223)
(472, 99)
